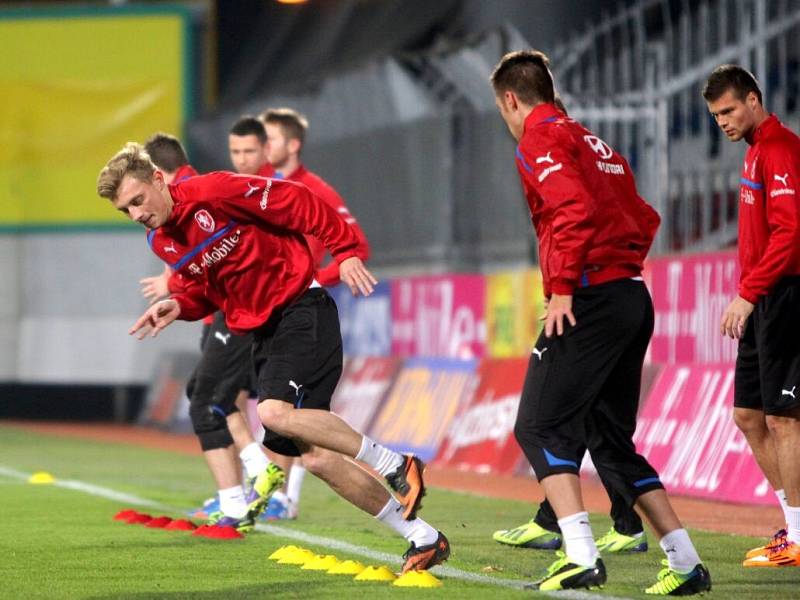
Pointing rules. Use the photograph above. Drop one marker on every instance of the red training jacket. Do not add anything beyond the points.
(591, 223)
(329, 274)
(769, 227)
(266, 170)
(236, 241)
(184, 172)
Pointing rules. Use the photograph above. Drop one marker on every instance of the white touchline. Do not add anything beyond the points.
(293, 534)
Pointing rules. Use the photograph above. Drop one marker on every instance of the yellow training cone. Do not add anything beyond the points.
(417, 579)
(299, 557)
(347, 567)
(280, 552)
(321, 563)
(381, 573)
(42, 477)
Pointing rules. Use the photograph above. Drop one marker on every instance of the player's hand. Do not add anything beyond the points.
(353, 272)
(735, 318)
(155, 288)
(156, 318)
(557, 308)
(543, 316)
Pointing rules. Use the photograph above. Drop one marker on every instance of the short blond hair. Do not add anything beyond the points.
(292, 123)
(132, 160)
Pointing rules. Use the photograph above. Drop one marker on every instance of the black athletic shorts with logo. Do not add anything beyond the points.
(225, 368)
(768, 362)
(298, 358)
(582, 388)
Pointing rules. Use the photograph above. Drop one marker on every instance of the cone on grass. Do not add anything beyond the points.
(159, 522)
(321, 562)
(420, 579)
(125, 514)
(347, 567)
(139, 519)
(41, 478)
(299, 557)
(226, 532)
(382, 573)
(215, 532)
(278, 554)
(181, 525)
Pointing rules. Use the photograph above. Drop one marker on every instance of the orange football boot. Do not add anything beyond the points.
(781, 555)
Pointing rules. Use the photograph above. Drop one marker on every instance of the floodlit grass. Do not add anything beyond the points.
(62, 543)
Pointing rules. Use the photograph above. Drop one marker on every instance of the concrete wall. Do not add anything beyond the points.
(66, 303)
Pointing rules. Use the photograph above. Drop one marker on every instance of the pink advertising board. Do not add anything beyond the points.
(689, 294)
(481, 436)
(687, 433)
(439, 316)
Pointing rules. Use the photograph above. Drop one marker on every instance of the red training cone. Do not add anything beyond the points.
(159, 523)
(139, 519)
(124, 515)
(201, 531)
(181, 525)
(225, 532)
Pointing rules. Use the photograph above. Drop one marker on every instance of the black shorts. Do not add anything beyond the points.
(768, 361)
(298, 358)
(225, 368)
(582, 389)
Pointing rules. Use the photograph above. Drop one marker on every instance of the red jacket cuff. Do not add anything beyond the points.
(749, 296)
(562, 287)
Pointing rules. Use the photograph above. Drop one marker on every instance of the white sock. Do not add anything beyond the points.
(793, 523)
(253, 459)
(681, 555)
(417, 531)
(296, 475)
(781, 496)
(380, 458)
(231, 502)
(578, 539)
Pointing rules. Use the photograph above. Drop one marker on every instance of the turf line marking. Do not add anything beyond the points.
(110, 494)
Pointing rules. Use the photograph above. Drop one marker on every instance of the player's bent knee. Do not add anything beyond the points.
(211, 426)
(214, 440)
(749, 421)
(319, 461)
(782, 425)
(274, 414)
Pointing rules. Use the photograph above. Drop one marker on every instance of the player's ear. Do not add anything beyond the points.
(510, 99)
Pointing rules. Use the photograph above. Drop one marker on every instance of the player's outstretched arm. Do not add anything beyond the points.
(156, 318)
(357, 277)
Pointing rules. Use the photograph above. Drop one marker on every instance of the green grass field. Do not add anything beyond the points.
(63, 543)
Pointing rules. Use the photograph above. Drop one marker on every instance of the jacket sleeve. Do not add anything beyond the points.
(189, 294)
(176, 283)
(781, 178)
(194, 304)
(552, 171)
(329, 274)
(280, 203)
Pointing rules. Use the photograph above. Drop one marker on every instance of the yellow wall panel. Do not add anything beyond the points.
(78, 89)
(513, 305)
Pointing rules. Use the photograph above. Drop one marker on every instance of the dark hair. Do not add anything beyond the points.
(166, 152)
(291, 122)
(560, 104)
(249, 125)
(731, 77)
(527, 74)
